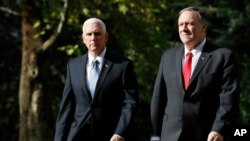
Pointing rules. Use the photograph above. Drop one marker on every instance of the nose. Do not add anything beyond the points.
(93, 36)
(185, 26)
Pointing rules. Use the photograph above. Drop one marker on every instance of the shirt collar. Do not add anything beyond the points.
(100, 57)
(198, 49)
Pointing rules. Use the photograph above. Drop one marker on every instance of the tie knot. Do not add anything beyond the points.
(189, 54)
(95, 63)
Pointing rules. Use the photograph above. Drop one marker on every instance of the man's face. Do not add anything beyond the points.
(94, 38)
(191, 30)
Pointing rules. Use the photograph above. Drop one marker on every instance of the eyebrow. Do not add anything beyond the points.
(95, 32)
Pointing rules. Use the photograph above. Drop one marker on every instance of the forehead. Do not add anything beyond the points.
(188, 16)
(93, 27)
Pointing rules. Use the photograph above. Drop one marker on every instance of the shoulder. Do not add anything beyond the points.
(170, 52)
(115, 57)
(78, 59)
(220, 53)
(217, 49)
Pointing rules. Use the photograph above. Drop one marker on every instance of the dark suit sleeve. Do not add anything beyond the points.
(130, 89)
(229, 96)
(158, 103)
(64, 118)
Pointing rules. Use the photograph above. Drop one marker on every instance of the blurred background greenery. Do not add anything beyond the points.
(140, 29)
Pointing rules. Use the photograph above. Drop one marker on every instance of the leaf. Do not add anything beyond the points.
(37, 24)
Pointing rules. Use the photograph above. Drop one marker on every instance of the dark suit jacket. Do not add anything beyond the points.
(209, 103)
(112, 109)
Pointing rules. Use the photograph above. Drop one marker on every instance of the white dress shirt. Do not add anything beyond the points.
(196, 53)
(100, 58)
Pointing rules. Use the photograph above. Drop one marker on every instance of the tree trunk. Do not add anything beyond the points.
(32, 124)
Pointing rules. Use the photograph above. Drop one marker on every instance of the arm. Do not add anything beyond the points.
(64, 118)
(229, 97)
(130, 89)
(158, 103)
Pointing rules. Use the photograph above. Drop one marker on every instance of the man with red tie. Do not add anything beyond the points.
(196, 91)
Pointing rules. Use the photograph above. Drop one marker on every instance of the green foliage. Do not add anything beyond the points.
(245, 89)
(139, 29)
(71, 50)
(142, 30)
(140, 35)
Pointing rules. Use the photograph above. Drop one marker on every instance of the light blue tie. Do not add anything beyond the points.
(94, 73)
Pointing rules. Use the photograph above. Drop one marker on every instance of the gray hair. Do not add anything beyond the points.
(200, 14)
(94, 20)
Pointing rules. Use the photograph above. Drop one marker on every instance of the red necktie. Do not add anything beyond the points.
(187, 69)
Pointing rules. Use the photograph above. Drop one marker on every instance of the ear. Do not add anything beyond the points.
(204, 27)
(106, 36)
(83, 38)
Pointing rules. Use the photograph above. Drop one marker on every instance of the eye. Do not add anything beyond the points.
(191, 23)
(97, 33)
(180, 24)
(93, 34)
(88, 34)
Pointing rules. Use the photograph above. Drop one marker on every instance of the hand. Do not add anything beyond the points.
(214, 136)
(155, 138)
(117, 138)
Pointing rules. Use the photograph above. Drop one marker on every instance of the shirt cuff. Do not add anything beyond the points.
(155, 138)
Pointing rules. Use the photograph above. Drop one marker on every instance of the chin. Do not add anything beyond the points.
(93, 48)
(185, 41)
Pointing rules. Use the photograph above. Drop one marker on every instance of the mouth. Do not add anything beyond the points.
(185, 35)
(93, 44)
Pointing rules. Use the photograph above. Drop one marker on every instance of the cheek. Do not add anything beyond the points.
(191, 29)
(103, 40)
(179, 29)
(85, 41)
(198, 32)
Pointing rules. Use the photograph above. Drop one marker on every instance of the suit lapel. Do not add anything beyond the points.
(201, 63)
(104, 72)
(179, 57)
(83, 74)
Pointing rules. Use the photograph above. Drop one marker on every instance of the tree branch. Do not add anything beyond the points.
(10, 11)
(53, 37)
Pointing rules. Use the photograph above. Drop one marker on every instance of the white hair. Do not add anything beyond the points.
(94, 20)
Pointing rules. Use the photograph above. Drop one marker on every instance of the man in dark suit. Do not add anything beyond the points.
(194, 99)
(103, 109)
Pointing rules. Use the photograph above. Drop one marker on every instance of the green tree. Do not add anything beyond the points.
(140, 29)
(36, 24)
(33, 117)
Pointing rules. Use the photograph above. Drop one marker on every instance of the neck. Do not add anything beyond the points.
(96, 53)
(192, 46)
